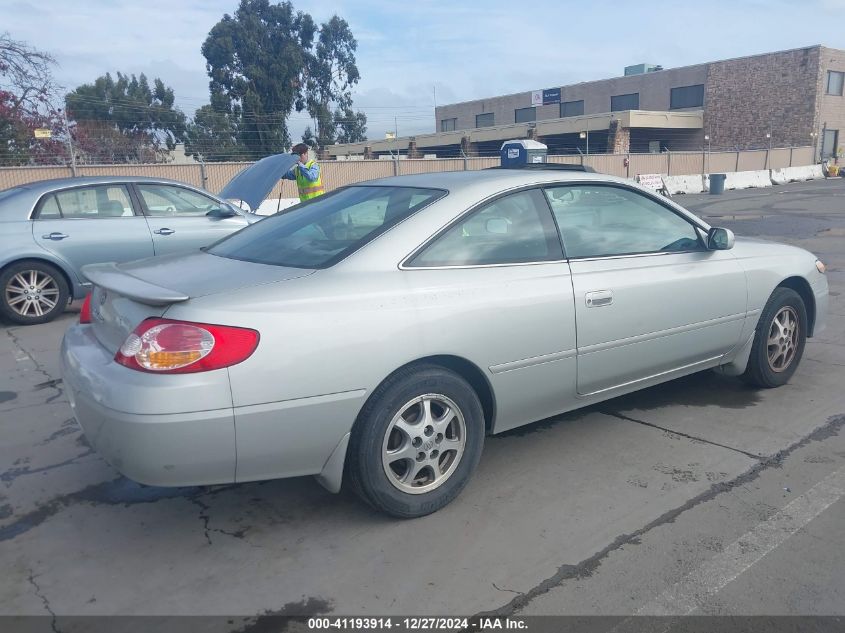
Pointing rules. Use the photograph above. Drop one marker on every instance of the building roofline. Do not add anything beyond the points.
(594, 81)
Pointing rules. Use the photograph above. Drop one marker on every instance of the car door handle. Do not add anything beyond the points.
(599, 298)
(164, 231)
(55, 236)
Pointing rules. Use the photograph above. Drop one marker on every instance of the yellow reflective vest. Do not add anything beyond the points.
(308, 188)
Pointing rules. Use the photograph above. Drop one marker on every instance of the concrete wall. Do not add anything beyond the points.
(654, 89)
(746, 98)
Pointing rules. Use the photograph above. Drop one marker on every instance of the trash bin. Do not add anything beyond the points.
(717, 184)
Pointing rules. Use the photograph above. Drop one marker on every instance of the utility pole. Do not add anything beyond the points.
(69, 144)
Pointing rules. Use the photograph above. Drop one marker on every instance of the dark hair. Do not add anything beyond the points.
(299, 148)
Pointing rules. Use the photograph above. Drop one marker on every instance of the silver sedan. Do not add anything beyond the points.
(376, 335)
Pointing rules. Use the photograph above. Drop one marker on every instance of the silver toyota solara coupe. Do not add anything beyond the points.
(375, 335)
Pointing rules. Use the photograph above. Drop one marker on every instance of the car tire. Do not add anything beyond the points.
(416, 442)
(779, 340)
(32, 292)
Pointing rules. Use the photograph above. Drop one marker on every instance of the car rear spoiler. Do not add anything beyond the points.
(110, 277)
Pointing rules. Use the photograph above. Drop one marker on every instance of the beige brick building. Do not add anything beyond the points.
(782, 99)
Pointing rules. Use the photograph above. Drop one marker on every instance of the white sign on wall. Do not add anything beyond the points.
(652, 181)
(537, 98)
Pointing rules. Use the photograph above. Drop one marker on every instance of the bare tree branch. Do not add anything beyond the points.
(26, 73)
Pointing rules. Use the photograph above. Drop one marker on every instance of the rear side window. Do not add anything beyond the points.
(92, 203)
(324, 230)
(513, 229)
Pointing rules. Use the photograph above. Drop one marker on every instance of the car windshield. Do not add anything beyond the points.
(323, 231)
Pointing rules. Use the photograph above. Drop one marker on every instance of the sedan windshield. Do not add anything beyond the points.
(323, 231)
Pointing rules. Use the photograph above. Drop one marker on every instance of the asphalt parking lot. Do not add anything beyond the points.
(701, 495)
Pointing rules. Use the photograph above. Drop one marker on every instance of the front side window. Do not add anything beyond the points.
(835, 81)
(513, 229)
(102, 201)
(167, 200)
(323, 231)
(602, 221)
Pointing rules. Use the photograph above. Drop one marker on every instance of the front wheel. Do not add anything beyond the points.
(416, 442)
(33, 292)
(779, 340)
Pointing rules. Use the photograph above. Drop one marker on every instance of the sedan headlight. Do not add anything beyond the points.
(820, 266)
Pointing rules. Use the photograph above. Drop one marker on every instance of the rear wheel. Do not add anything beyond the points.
(417, 442)
(779, 340)
(33, 292)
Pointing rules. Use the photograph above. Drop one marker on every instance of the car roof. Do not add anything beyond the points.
(490, 179)
(20, 200)
(39, 187)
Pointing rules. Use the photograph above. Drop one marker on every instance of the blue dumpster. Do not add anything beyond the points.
(717, 184)
(521, 152)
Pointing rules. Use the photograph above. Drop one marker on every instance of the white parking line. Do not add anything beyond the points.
(686, 596)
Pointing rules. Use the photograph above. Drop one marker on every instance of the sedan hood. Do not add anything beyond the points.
(174, 278)
(254, 184)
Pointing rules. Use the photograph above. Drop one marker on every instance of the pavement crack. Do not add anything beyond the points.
(689, 437)
(50, 383)
(589, 565)
(204, 516)
(496, 587)
(12, 474)
(38, 592)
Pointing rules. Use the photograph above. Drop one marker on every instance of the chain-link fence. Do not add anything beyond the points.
(338, 173)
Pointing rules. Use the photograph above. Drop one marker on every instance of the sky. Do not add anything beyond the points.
(415, 53)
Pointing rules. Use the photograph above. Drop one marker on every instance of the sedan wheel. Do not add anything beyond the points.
(778, 341)
(33, 292)
(416, 441)
(424, 444)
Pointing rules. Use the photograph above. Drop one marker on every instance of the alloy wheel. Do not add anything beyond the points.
(424, 443)
(782, 342)
(32, 293)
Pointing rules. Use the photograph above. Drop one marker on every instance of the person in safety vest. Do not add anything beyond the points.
(306, 174)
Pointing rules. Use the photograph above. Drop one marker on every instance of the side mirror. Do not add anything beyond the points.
(497, 226)
(221, 212)
(719, 239)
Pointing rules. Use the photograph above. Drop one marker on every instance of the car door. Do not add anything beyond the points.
(91, 224)
(649, 297)
(178, 218)
(498, 281)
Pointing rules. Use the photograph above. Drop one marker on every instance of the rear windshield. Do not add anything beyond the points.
(324, 230)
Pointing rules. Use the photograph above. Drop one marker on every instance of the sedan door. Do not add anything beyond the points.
(179, 218)
(649, 297)
(91, 224)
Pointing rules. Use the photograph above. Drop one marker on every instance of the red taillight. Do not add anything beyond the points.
(85, 310)
(164, 346)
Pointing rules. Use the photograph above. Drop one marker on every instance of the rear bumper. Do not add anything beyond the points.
(156, 443)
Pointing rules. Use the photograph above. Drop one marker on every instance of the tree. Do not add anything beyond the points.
(27, 93)
(350, 127)
(135, 122)
(256, 62)
(331, 75)
(263, 63)
(213, 135)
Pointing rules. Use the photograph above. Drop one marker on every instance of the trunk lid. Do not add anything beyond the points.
(126, 294)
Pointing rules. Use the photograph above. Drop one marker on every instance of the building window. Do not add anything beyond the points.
(484, 120)
(834, 82)
(686, 97)
(625, 102)
(572, 108)
(524, 115)
(448, 125)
